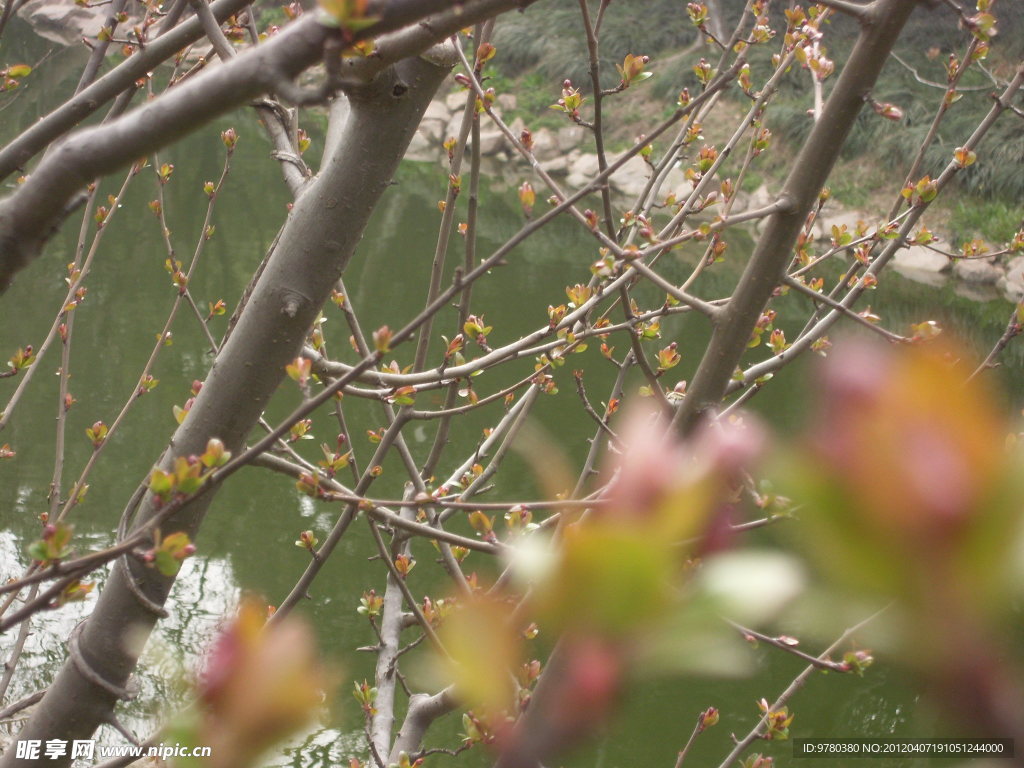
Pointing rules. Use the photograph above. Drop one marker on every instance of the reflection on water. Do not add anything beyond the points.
(257, 516)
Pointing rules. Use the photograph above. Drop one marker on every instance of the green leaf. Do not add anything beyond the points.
(610, 580)
(161, 483)
(166, 563)
(175, 543)
(38, 550)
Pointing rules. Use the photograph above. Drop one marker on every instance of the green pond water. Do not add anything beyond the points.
(246, 542)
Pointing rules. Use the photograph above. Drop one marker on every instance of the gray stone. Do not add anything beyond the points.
(585, 165)
(507, 101)
(582, 169)
(976, 291)
(832, 216)
(920, 258)
(570, 137)
(421, 149)
(1015, 269)
(1011, 284)
(557, 165)
(456, 102)
(545, 145)
(977, 271)
(437, 110)
(575, 180)
(451, 130)
(63, 22)
(933, 279)
(631, 178)
(761, 198)
(1011, 290)
(491, 142)
(676, 184)
(740, 202)
(517, 126)
(433, 130)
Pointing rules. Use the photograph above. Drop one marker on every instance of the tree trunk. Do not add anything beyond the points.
(316, 244)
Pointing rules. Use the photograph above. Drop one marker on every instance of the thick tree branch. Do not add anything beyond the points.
(30, 215)
(36, 138)
(423, 711)
(811, 169)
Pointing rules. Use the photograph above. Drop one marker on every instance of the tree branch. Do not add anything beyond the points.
(791, 690)
(31, 214)
(34, 139)
(811, 169)
(423, 711)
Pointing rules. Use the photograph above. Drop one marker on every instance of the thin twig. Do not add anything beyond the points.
(797, 683)
(1013, 329)
(815, 661)
(601, 423)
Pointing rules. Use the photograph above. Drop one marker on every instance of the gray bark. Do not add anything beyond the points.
(34, 211)
(424, 710)
(38, 136)
(535, 740)
(881, 25)
(30, 215)
(318, 239)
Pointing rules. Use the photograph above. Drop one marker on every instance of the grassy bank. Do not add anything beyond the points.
(534, 59)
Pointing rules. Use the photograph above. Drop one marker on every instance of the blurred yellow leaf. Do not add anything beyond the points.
(484, 651)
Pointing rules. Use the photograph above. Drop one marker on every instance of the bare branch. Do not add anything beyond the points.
(818, 662)
(791, 690)
(830, 302)
(582, 392)
(22, 703)
(423, 711)
(932, 83)
(810, 170)
(705, 308)
(37, 136)
(1013, 330)
(30, 215)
